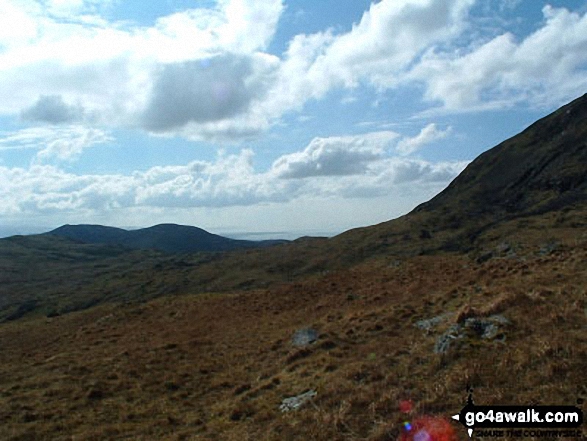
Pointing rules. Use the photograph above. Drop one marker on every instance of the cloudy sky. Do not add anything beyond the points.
(271, 117)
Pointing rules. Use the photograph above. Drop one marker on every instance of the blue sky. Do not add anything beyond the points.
(265, 117)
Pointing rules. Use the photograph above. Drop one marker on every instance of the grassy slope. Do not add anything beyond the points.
(53, 275)
(216, 367)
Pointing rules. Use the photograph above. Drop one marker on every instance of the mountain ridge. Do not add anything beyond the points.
(533, 185)
(167, 237)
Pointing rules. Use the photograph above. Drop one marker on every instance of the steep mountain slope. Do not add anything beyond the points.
(169, 238)
(539, 171)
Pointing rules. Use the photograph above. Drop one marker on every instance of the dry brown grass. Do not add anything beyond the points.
(216, 366)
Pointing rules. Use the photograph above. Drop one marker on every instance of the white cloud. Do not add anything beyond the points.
(388, 38)
(201, 73)
(250, 24)
(377, 51)
(334, 156)
(352, 167)
(118, 72)
(230, 181)
(427, 135)
(69, 8)
(545, 68)
(17, 23)
(205, 73)
(64, 143)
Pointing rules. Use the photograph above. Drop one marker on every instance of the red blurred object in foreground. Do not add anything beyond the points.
(406, 406)
(429, 428)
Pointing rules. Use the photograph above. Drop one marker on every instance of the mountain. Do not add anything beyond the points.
(539, 171)
(169, 238)
(543, 168)
(523, 196)
(480, 289)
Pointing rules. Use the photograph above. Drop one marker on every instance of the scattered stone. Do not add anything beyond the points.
(486, 328)
(429, 324)
(294, 403)
(305, 337)
(443, 343)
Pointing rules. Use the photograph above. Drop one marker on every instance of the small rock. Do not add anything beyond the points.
(486, 328)
(429, 324)
(305, 337)
(294, 403)
(444, 342)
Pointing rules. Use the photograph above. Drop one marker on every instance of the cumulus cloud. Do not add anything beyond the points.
(249, 24)
(352, 167)
(72, 8)
(120, 73)
(17, 23)
(545, 68)
(389, 37)
(205, 73)
(201, 91)
(427, 135)
(414, 170)
(52, 109)
(377, 50)
(230, 181)
(334, 156)
(398, 43)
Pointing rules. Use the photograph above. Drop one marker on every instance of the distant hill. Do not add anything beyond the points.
(169, 238)
(522, 197)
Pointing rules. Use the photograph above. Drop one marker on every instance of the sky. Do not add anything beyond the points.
(265, 118)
